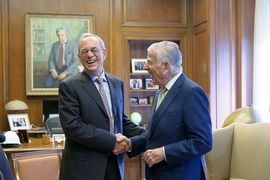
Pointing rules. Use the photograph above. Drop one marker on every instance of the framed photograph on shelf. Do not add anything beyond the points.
(143, 101)
(150, 85)
(18, 121)
(135, 83)
(137, 65)
(134, 100)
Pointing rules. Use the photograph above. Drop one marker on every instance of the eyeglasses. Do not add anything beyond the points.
(83, 52)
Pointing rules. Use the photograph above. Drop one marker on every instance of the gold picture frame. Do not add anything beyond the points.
(40, 34)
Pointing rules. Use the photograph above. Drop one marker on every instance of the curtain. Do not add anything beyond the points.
(261, 86)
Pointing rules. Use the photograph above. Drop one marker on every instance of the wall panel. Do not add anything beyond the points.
(200, 58)
(16, 46)
(224, 27)
(200, 10)
(4, 90)
(154, 13)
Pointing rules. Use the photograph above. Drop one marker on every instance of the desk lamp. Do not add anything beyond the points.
(16, 105)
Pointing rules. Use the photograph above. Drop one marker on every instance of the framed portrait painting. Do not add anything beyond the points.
(43, 33)
(18, 121)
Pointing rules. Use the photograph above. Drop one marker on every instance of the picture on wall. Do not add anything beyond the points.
(51, 42)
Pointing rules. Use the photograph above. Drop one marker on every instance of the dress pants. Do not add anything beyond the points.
(112, 171)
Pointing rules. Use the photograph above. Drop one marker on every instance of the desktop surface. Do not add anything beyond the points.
(35, 144)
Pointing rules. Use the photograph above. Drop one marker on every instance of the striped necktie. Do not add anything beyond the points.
(105, 102)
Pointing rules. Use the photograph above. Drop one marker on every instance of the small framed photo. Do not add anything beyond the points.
(137, 65)
(143, 101)
(135, 83)
(150, 85)
(18, 121)
(150, 99)
(23, 135)
(134, 100)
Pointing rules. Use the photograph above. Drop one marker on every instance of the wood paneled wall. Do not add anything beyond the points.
(217, 51)
(222, 53)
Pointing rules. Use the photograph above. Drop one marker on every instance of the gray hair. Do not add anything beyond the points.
(91, 35)
(168, 51)
(61, 29)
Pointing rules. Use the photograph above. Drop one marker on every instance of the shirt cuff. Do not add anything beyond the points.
(164, 153)
(129, 150)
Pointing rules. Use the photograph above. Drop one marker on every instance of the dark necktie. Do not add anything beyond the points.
(161, 96)
(60, 57)
(105, 102)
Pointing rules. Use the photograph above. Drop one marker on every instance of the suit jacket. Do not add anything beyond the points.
(70, 56)
(182, 125)
(86, 126)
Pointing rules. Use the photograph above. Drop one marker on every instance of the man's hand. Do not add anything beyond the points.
(153, 156)
(62, 75)
(54, 73)
(122, 144)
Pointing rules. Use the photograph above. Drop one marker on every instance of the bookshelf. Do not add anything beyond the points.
(38, 43)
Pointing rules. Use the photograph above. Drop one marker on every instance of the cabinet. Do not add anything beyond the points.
(144, 97)
(138, 50)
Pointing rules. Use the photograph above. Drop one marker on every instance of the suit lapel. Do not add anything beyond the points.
(157, 115)
(113, 90)
(114, 95)
(91, 89)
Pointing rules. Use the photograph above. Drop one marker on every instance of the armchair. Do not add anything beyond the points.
(53, 126)
(41, 165)
(240, 151)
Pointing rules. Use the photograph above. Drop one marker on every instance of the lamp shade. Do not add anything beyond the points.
(16, 105)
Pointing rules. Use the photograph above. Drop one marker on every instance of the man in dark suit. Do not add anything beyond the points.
(62, 64)
(91, 149)
(179, 130)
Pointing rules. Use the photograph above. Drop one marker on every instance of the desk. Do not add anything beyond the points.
(134, 167)
(34, 145)
(35, 133)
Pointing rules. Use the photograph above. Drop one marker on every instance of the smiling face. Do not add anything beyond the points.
(158, 73)
(92, 55)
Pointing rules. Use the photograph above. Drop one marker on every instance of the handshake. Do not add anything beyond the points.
(122, 144)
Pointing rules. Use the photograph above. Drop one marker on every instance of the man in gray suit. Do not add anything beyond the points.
(63, 60)
(92, 130)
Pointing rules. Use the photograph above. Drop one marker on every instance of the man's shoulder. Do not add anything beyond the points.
(112, 77)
